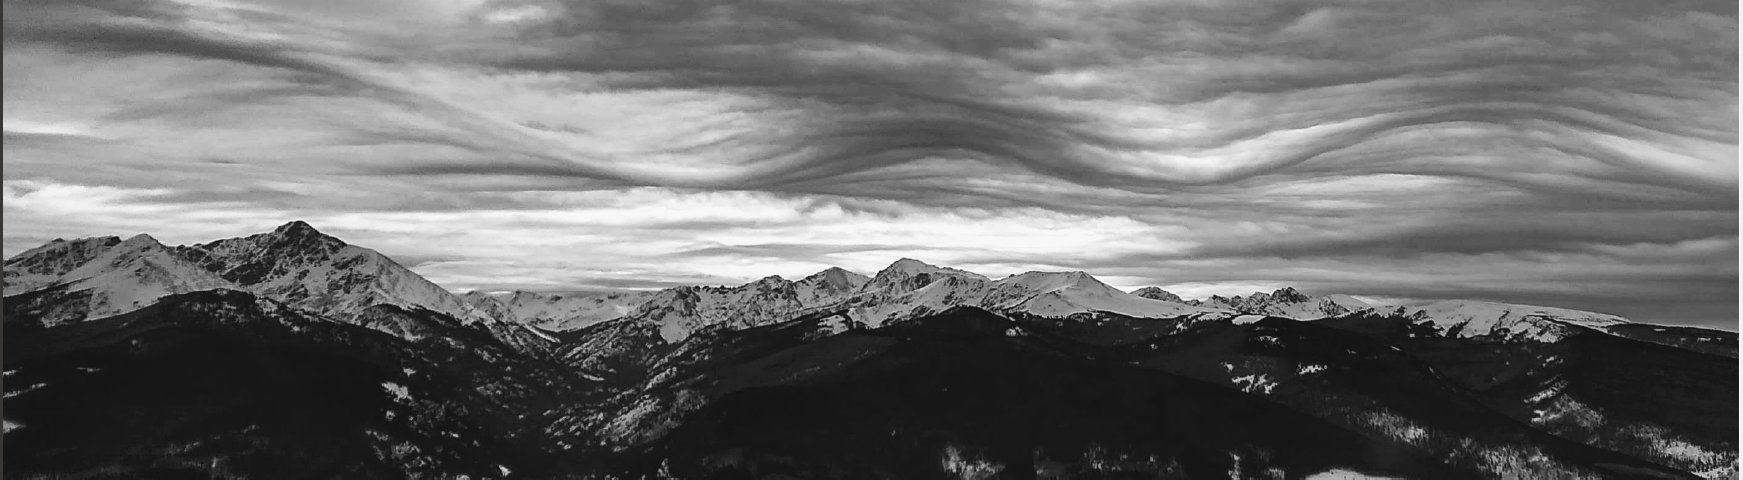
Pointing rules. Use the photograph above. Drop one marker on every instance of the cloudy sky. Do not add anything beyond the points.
(1577, 153)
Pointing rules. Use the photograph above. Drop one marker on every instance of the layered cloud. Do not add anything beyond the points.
(1577, 153)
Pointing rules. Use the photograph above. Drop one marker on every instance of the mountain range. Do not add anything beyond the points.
(132, 358)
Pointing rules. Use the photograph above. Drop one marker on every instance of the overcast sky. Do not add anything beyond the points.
(1579, 154)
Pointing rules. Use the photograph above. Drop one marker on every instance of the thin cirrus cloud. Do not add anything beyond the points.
(1576, 153)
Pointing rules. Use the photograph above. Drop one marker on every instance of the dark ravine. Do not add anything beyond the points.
(288, 382)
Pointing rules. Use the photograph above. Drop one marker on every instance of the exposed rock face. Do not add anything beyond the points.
(125, 277)
(41, 266)
(1157, 293)
(303, 267)
(558, 311)
(1289, 303)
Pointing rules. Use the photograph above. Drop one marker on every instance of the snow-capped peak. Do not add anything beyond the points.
(42, 266)
(139, 246)
(297, 228)
(909, 267)
(1047, 281)
(771, 281)
(835, 278)
(1288, 295)
(1059, 294)
(1157, 293)
(908, 275)
(828, 287)
(1288, 302)
(1351, 302)
(129, 276)
(299, 265)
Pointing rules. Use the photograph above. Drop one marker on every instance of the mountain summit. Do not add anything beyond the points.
(126, 276)
(299, 265)
(41, 266)
(294, 263)
(1289, 303)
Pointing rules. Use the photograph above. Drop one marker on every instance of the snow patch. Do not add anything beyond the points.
(1399, 428)
(11, 425)
(1685, 453)
(1552, 390)
(24, 390)
(966, 467)
(1341, 474)
(1565, 408)
(398, 391)
(834, 325)
(1310, 368)
(1247, 319)
(1255, 383)
(540, 334)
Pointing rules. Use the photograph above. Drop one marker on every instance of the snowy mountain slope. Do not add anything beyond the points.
(1468, 318)
(488, 304)
(908, 270)
(303, 267)
(683, 310)
(558, 311)
(1288, 302)
(128, 276)
(1157, 293)
(827, 287)
(680, 311)
(42, 266)
(1061, 294)
(910, 288)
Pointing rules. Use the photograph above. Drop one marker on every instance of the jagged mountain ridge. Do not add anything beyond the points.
(1284, 302)
(125, 276)
(907, 289)
(297, 264)
(40, 267)
(645, 349)
(294, 264)
(910, 288)
(559, 312)
(1157, 293)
